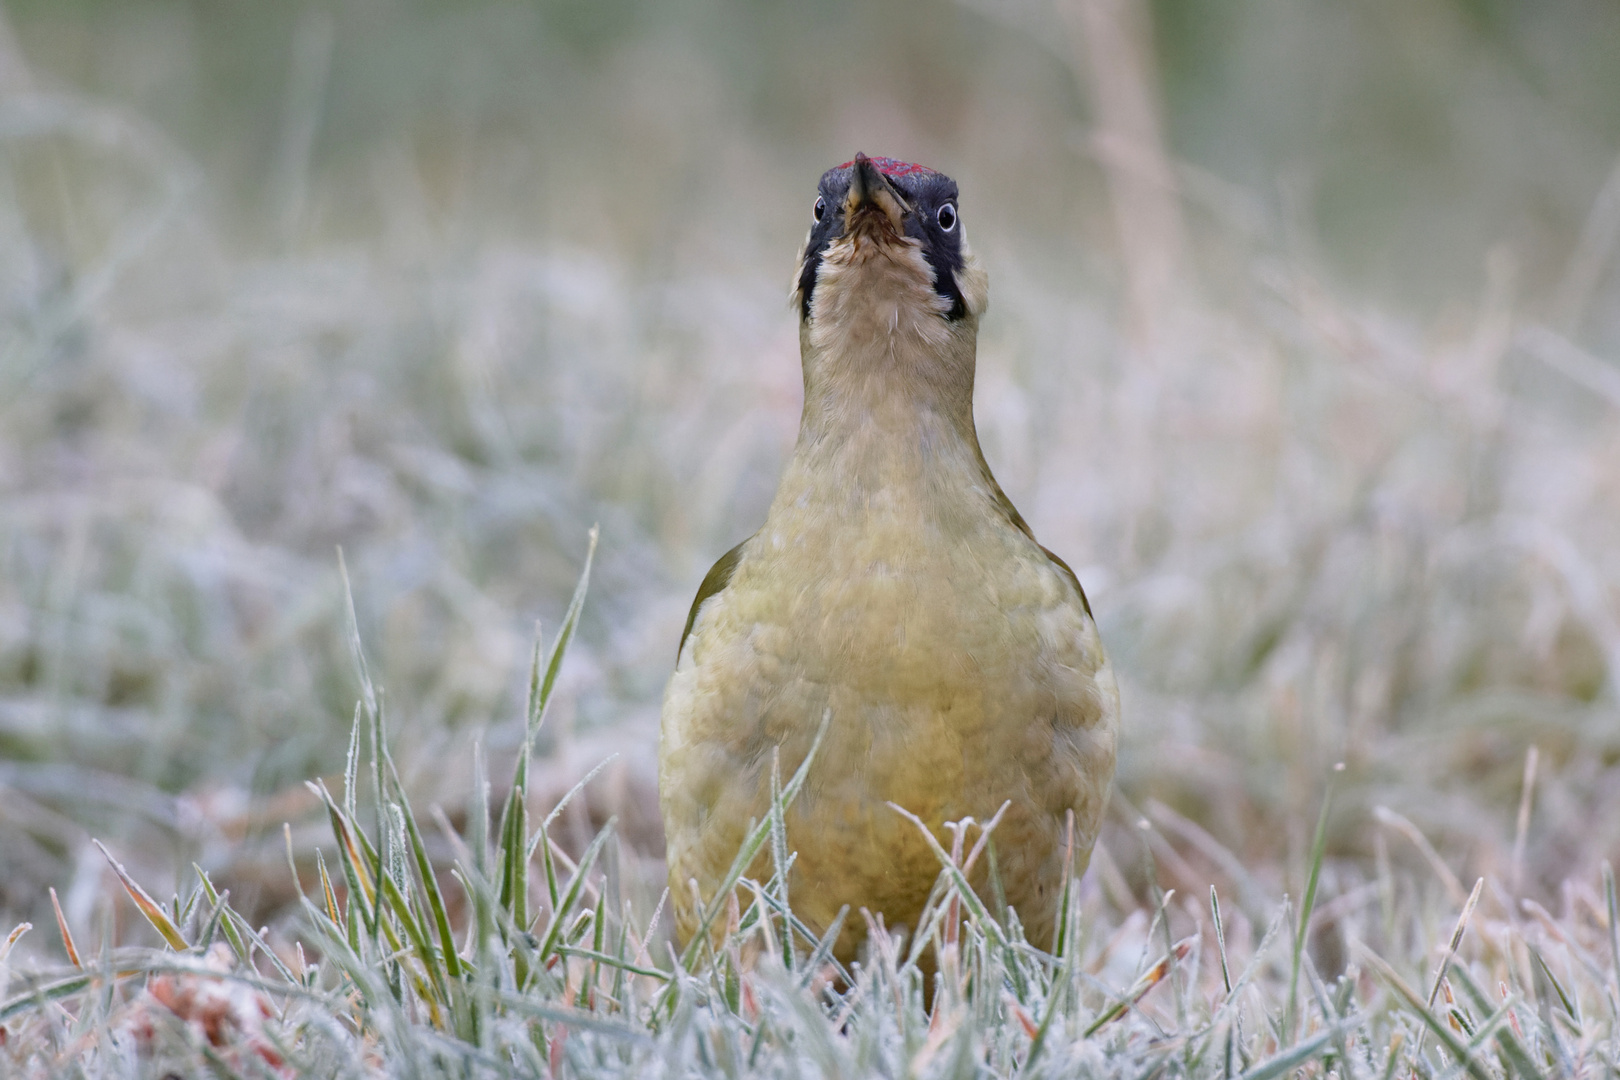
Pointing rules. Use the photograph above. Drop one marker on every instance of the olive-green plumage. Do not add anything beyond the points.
(894, 588)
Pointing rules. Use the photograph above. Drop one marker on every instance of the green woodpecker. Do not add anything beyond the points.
(894, 589)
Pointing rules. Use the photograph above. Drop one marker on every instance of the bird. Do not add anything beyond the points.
(893, 602)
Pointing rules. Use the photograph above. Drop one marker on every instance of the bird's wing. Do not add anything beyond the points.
(1005, 505)
(1073, 580)
(718, 577)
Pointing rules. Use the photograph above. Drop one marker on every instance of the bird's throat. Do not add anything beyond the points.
(888, 381)
(888, 420)
(877, 344)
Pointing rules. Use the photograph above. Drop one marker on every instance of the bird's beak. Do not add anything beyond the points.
(873, 201)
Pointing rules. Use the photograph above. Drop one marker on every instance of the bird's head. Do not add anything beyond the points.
(886, 265)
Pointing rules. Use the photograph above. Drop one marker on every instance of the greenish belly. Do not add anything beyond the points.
(948, 695)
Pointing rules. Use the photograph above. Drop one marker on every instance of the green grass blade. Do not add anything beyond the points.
(565, 634)
(576, 885)
(150, 908)
(1614, 929)
(45, 993)
(351, 767)
(514, 863)
(429, 881)
(751, 847)
(611, 961)
(1415, 1003)
(1456, 940)
(970, 899)
(1513, 1049)
(1220, 939)
(216, 900)
(1318, 851)
(354, 858)
(562, 804)
(1545, 971)
(779, 853)
(368, 690)
(1300, 1053)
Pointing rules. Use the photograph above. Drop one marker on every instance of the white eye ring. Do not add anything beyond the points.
(821, 208)
(946, 217)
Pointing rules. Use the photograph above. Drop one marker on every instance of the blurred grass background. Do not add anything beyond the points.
(1301, 350)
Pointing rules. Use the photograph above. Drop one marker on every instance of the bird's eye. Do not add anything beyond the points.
(946, 217)
(821, 208)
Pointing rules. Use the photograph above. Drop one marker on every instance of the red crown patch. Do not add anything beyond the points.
(891, 168)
